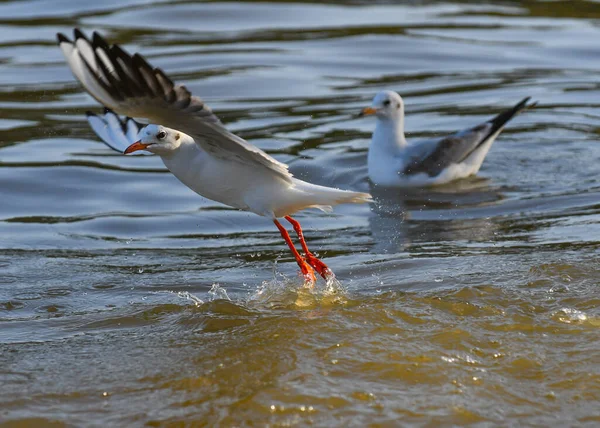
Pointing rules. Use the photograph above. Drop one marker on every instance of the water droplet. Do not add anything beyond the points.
(218, 292)
(190, 296)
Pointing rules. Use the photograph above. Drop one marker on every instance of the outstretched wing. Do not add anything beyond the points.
(128, 85)
(456, 148)
(115, 132)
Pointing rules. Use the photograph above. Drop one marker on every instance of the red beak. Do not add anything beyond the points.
(138, 145)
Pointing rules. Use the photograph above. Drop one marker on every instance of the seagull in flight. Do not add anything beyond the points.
(394, 162)
(192, 142)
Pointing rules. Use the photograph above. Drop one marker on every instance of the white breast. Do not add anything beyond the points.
(228, 182)
(386, 155)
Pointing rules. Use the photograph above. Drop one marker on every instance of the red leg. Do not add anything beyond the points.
(319, 266)
(305, 268)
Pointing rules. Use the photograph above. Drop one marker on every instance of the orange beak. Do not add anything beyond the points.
(138, 145)
(368, 111)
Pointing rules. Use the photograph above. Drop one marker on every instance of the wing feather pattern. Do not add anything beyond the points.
(456, 148)
(116, 133)
(130, 86)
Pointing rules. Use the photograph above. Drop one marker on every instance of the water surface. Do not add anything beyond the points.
(126, 299)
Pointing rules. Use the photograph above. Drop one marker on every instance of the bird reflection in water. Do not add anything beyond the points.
(427, 219)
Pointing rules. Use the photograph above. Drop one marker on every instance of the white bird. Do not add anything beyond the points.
(195, 146)
(394, 162)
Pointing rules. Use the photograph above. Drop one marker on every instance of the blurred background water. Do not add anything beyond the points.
(126, 299)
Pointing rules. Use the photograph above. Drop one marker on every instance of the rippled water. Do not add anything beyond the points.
(126, 299)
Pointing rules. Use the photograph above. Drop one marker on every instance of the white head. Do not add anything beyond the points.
(157, 139)
(387, 105)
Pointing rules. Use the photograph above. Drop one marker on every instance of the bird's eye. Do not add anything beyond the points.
(386, 103)
(161, 135)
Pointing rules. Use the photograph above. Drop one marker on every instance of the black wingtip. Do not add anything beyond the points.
(526, 105)
(531, 105)
(62, 38)
(80, 35)
(138, 60)
(524, 102)
(98, 40)
(104, 113)
(111, 112)
(500, 120)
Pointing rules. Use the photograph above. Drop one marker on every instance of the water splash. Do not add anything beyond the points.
(570, 316)
(273, 293)
(279, 293)
(217, 292)
(334, 291)
(189, 296)
(283, 292)
(181, 294)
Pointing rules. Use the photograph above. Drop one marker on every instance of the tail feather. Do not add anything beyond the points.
(350, 198)
(499, 121)
(324, 198)
(354, 198)
(332, 196)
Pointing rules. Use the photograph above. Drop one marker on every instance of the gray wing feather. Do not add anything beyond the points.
(128, 85)
(449, 150)
(456, 148)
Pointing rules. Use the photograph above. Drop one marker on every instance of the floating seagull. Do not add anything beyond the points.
(394, 162)
(195, 147)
